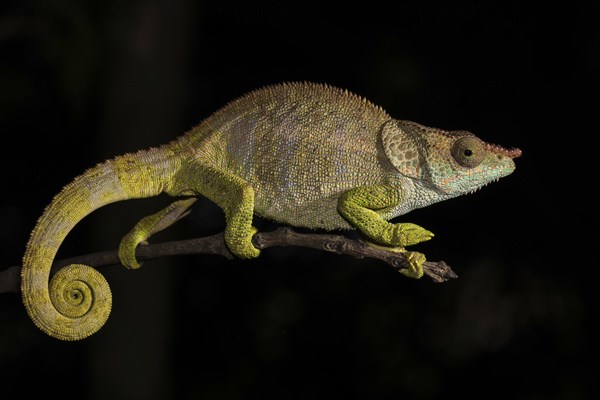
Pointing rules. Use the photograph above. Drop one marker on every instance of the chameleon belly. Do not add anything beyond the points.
(300, 147)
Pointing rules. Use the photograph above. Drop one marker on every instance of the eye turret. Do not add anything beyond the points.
(468, 151)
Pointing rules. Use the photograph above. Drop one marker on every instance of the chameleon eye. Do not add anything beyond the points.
(468, 151)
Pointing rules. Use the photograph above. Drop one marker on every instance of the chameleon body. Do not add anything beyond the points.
(304, 154)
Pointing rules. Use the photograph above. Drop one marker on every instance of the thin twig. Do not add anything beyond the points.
(438, 271)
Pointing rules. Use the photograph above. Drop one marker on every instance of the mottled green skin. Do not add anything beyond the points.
(299, 146)
(78, 301)
(303, 154)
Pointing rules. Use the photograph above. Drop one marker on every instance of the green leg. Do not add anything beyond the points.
(234, 196)
(150, 225)
(363, 207)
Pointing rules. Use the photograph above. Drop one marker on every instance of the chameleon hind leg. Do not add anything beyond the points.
(150, 225)
(364, 208)
(234, 196)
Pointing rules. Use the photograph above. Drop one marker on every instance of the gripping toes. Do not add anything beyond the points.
(414, 262)
(127, 249)
(407, 234)
(240, 242)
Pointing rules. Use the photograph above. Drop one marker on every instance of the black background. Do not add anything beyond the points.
(84, 81)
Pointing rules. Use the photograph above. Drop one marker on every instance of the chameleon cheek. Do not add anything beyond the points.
(443, 176)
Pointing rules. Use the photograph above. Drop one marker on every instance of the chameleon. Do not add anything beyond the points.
(305, 154)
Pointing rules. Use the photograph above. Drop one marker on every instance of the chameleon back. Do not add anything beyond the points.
(252, 136)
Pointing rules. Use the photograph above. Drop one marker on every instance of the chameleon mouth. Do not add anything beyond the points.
(484, 184)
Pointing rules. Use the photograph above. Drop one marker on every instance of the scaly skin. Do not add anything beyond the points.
(303, 154)
(78, 300)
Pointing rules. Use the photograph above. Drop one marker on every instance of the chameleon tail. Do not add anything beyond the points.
(77, 301)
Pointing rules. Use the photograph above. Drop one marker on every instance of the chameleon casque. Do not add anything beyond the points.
(304, 154)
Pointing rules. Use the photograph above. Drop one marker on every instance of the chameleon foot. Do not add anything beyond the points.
(407, 234)
(414, 262)
(150, 225)
(127, 249)
(240, 243)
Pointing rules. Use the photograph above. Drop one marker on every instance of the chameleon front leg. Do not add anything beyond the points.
(150, 225)
(364, 206)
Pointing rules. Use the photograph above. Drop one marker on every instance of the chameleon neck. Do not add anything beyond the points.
(77, 301)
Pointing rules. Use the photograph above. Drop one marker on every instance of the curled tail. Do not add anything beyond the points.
(77, 300)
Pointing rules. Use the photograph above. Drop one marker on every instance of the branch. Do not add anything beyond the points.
(438, 271)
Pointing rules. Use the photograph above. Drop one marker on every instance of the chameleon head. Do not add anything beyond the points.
(454, 162)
